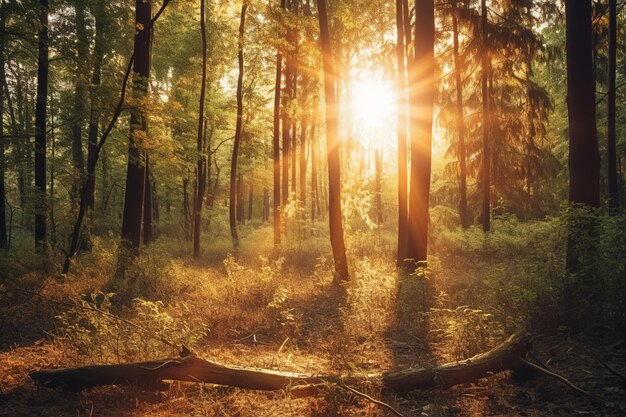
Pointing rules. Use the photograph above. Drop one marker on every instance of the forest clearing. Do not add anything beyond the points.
(312, 208)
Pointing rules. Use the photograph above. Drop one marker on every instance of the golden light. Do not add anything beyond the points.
(373, 109)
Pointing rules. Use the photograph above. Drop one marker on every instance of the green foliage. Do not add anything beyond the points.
(88, 331)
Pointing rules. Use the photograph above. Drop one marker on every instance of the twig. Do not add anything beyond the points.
(613, 370)
(557, 376)
(367, 397)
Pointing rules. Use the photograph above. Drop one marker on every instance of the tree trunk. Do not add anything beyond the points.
(276, 142)
(422, 90)
(314, 190)
(136, 168)
(303, 163)
(614, 200)
(486, 151)
(197, 213)
(148, 224)
(584, 158)
(266, 204)
(3, 222)
(186, 214)
(233, 167)
(80, 99)
(332, 149)
(40, 128)
(402, 156)
(378, 163)
(460, 123)
(99, 14)
(584, 167)
(507, 356)
(250, 202)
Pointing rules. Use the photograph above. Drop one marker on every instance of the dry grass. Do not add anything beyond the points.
(261, 309)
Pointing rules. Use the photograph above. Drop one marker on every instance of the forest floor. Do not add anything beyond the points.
(265, 314)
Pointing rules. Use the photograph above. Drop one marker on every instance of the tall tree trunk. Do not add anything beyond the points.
(94, 117)
(276, 141)
(40, 128)
(200, 143)
(332, 145)
(460, 123)
(3, 222)
(401, 115)
(422, 90)
(614, 200)
(586, 290)
(303, 162)
(486, 151)
(584, 158)
(80, 99)
(314, 190)
(238, 128)
(136, 169)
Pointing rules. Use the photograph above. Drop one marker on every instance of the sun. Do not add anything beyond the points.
(373, 109)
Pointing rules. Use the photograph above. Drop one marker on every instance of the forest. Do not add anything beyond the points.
(312, 208)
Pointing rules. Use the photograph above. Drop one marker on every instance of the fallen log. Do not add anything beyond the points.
(191, 368)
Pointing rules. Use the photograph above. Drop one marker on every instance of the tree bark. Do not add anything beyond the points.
(422, 90)
(402, 145)
(238, 129)
(40, 128)
(3, 222)
(584, 158)
(99, 13)
(614, 199)
(486, 151)
(507, 356)
(136, 168)
(80, 99)
(148, 213)
(460, 123)
(197, 213)
(332, 149)
(276, 142)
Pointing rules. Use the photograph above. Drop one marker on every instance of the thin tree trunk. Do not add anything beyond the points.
(186, 208)
(238, 129)
(303, 163)
(266, 204)
(313, 153)
(378, 163)
(486, 151)
(402, 145)
(422, 90)
(136, 168)
(460, 124)
(200, 143)
(3, 222)
(94, 118)
(40, 128)
(276, 142)
(148, 224)
(332, 145)
(250, 202)
(614, 200)
(80, 99)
